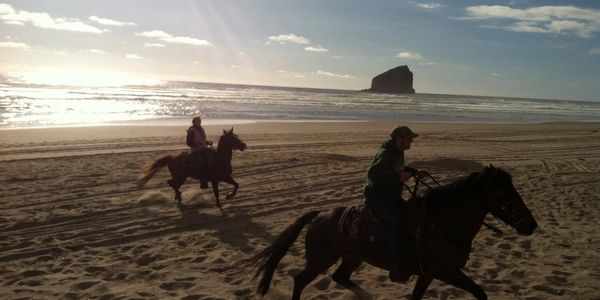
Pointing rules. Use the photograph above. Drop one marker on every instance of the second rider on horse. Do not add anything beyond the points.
(199, 148)
(383, 194)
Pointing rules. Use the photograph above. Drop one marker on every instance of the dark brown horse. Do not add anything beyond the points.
(447, 220)
(183, 166)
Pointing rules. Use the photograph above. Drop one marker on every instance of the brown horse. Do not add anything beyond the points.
(183, 166)
(443, 224)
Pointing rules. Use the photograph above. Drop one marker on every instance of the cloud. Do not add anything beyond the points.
(157, 45)
(315, 49)
(291, 74)
(289, 38)
(96, 51)
(10, 16)
(110, 22)
(329, 74)
(133, 56)
(543, 19)
(14, 45)
(595, 51)
(409, 55)
(167, 37)
(428, 6)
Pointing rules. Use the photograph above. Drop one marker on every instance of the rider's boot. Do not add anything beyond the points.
(203, 178)
(400, 273)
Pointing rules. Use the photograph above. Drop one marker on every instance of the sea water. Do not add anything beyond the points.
(176, 102)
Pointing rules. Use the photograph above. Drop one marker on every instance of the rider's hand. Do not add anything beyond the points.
(422, 173)
(405, 176)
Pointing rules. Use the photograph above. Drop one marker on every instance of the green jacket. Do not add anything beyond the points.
(383, 182)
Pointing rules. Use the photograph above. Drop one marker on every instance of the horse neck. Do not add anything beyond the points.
(464, 217)
(224, 152)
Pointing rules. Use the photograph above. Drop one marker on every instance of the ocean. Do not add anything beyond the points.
(174, 103)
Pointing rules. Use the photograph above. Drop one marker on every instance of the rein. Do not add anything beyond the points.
(420, 180)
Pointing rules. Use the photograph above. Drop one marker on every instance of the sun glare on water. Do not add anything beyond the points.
(84, 77)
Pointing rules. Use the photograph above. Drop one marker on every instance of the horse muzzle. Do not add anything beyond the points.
(526, 225)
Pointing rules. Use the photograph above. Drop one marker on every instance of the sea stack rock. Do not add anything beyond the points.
(398, 80)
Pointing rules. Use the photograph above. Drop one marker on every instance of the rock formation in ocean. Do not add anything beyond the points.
(397, 80)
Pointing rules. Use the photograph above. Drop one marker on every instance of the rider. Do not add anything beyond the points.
(383, 194)
(196, 140)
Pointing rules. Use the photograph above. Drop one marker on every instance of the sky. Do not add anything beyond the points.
(532, 49)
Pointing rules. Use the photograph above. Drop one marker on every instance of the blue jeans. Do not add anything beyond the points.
(391, 213)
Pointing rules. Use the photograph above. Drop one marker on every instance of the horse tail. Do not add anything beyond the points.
(267, 260)
(152, 168)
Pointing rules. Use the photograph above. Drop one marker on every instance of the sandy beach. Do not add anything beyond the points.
(75, 226)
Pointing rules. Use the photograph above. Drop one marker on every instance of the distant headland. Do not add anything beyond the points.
(398, 80)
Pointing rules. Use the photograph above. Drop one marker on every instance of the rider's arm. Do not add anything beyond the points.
(382, 170)
(411, 170)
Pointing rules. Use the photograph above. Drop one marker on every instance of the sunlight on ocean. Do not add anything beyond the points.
(174, 102)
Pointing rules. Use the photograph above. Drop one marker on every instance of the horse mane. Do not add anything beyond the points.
(447, 195)
(225, 133)
(459, 190)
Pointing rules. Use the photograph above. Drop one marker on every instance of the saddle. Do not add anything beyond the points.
(363, 227)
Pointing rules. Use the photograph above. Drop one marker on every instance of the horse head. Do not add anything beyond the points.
(506, 203)
(231, 140)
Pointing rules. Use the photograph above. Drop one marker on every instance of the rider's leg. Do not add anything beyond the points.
(391, 213)
(203, 156)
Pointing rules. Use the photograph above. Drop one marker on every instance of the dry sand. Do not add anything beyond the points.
(74, 226)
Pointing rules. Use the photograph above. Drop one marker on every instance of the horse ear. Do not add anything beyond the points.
(231, 130)
(224, 131)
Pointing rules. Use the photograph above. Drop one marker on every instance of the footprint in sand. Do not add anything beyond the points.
(176, 285)
(84, 285)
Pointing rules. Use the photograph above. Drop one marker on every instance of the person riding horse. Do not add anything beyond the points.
(199, 148)
(383, 195)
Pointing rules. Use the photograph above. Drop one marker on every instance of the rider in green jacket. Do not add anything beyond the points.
(383, 194)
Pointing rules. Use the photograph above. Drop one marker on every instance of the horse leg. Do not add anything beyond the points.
(423, 283)
(345, 270)
(460, 280)
(235, 187)
(322, 250)
(343, 273)
(215, 187)
(175, 184)
(311, 271)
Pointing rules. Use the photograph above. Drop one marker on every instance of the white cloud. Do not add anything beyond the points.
(109, 22)
(186, 40)
(167, 37)
(409, 55)
(43, 20)
(430, 6)
(133, 56)
(543, 19)
(291, 74)
(14, 45)
(429, 63)
(495, 74)
(315, 49)
(329, 74)
(289, 38)
(595, 51)
(157, 45)
(96, 51)
(159, 34)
